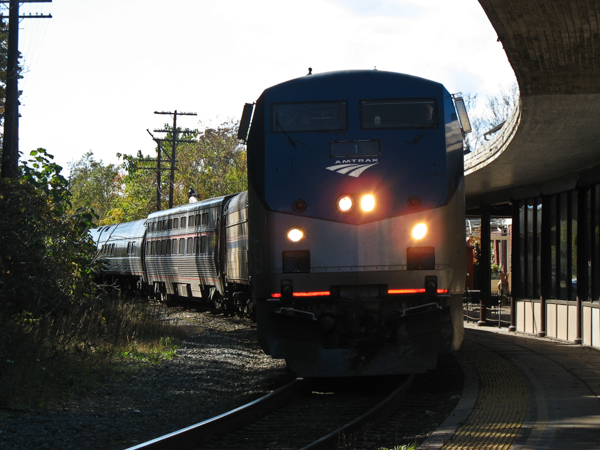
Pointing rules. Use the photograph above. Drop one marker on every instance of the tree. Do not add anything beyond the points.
(47, 256)
(494, 113)
(137, 189)
(93, 185)
(214, 164)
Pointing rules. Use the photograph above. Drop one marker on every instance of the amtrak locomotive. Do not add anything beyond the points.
(349, 245)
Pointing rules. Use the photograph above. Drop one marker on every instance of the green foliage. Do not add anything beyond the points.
(93, 185)
(55, 328)
(137, 197)
(214, 165)
(47, 256)
(164, 349)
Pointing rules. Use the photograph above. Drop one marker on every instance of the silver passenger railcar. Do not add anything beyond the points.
(121, 246)
(183, 251)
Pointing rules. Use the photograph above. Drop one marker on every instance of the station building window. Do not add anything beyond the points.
(530, 238)
(558, 245)
(592, 233)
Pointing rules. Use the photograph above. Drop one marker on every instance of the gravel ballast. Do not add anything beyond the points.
(219, 368)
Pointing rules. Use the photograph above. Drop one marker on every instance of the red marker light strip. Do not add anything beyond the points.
(305, 294)
(390, 291)
(414, 291)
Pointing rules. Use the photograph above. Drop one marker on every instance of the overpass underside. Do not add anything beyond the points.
(543, 167)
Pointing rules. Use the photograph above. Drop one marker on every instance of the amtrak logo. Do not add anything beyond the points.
(353, 167)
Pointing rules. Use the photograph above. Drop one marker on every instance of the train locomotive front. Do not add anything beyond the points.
(356, 223)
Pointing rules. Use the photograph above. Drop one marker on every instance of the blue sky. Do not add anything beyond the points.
(97, 70)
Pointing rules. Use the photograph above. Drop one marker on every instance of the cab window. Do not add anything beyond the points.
(313, 116)
(398, 113)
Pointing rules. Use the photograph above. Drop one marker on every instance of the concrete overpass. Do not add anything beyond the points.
(553, 138)
(543, 167)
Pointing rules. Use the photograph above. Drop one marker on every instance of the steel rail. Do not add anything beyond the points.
(194, 433)
(386, 406)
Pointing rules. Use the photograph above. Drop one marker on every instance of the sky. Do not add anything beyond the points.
(96, 72)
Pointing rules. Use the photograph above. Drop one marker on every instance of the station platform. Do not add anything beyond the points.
(523, 392)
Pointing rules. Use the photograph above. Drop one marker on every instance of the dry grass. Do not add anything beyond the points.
(54, 357)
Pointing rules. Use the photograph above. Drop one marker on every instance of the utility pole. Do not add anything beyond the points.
(10, 146)
(174, 142)
(158, 169)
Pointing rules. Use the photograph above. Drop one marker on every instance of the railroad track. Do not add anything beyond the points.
(304, 414)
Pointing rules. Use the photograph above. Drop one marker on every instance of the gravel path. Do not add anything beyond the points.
(219, 368)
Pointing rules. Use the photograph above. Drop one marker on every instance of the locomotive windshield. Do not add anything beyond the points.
(401, 113)
(314, 116)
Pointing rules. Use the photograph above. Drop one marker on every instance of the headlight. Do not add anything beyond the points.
(345, 203)
(295, 234)
(367, 203)
(419, 231)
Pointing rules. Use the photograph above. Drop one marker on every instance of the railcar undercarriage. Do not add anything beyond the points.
(358, 336)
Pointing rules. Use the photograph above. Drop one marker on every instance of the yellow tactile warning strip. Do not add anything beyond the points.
(501, 406)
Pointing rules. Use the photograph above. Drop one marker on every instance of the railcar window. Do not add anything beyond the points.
(183, 222)
(314, 116)
(196, 243)
(170, 224)
(202, 244)
(190, 246)
(204, 219)
(181, 246)
(176, 223)
(197, 219)
(400, 113)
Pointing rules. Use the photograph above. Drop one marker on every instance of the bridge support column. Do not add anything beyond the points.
(545, 264)
(485, 268)
(515, 265)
